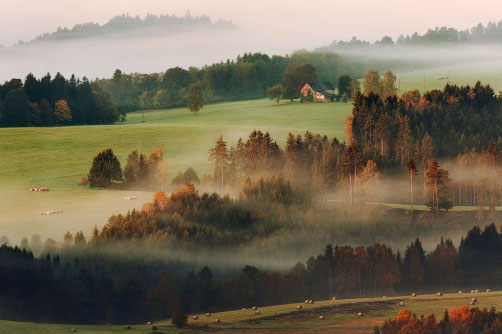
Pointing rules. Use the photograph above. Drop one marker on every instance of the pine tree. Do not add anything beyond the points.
(412, 170)
(219, 154)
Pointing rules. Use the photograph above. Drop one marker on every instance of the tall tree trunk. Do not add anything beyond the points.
(411, 189)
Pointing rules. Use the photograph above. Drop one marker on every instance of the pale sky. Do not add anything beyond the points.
(327, 19)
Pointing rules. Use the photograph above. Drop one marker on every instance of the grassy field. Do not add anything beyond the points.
(340, 317)
(59, 157)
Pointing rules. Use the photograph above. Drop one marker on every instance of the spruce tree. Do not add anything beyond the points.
(105, 169)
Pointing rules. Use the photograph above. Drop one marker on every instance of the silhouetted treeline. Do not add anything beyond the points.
(82, 285)
(121, 24)
(54, 100)
(247, 77)
(439, 36)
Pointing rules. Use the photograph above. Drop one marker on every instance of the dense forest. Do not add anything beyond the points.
(246, 77)
(125, 24)
(80, 284)
(439, 36)
(50, 101)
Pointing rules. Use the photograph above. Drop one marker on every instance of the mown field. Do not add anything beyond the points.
(340, 317)
(59, 157)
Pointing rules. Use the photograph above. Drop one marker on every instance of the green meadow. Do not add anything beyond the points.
(341, 316)
(59, 157)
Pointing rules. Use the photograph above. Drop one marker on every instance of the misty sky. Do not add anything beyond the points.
(327, 19)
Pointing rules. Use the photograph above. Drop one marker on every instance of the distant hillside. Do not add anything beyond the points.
(129, 25)
(439, 36)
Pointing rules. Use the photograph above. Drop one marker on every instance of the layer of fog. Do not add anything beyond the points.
(99, 57)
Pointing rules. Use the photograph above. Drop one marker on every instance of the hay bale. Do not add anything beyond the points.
(244, 309)
(149, 323)
(195, 317)
(256, 312)
(128, 327)
(401, 303)
(306, 301)
(459, 292)
(333, 299)
(311, 301)
(299, 307)
(488, 290)
(476, 291)
(360, 314)
(384, 296)
(254, 308)
(439, 294)
(208, 314)
(413, 294)
(216, 321)
(73, 330)
(472, 291)
(321, 317)
(474, 299)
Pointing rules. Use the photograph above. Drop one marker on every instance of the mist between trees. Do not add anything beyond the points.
(103, 282)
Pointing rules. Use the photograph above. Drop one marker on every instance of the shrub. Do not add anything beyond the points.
(180, 319)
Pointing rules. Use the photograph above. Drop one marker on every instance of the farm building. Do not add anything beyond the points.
(321, 91)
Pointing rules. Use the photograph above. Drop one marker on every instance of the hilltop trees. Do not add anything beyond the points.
(105, 169)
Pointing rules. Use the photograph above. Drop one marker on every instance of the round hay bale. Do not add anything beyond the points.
(384, 296)
(216, 321)
(488, 290)
(476, 291)
(244, 309)
(439, 294)
(474, 299)
(333, 299)
(208, 314)
(311, 301)
(254, 308)
(360, 314)
(256, 312)
(472, 291)
(321, 317)
(401, 303)
(195, 317)
(128, 327)
(413, 294)
(73, 330)
(306, 301)
(299, 307)
(459, 292)
(149, 323)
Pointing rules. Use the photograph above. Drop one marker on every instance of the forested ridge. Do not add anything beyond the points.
(79, 285)
(126, 24)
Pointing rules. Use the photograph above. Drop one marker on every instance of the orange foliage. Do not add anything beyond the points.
(161, 199)
(460, 314)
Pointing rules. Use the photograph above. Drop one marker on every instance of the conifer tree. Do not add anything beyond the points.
(105, 169)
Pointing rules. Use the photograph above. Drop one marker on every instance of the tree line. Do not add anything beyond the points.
(82, 285)
(247, 77)
(461, 320)
(50, 101)
(490, 33)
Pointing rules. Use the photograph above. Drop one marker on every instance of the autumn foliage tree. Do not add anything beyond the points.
(62, 111)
